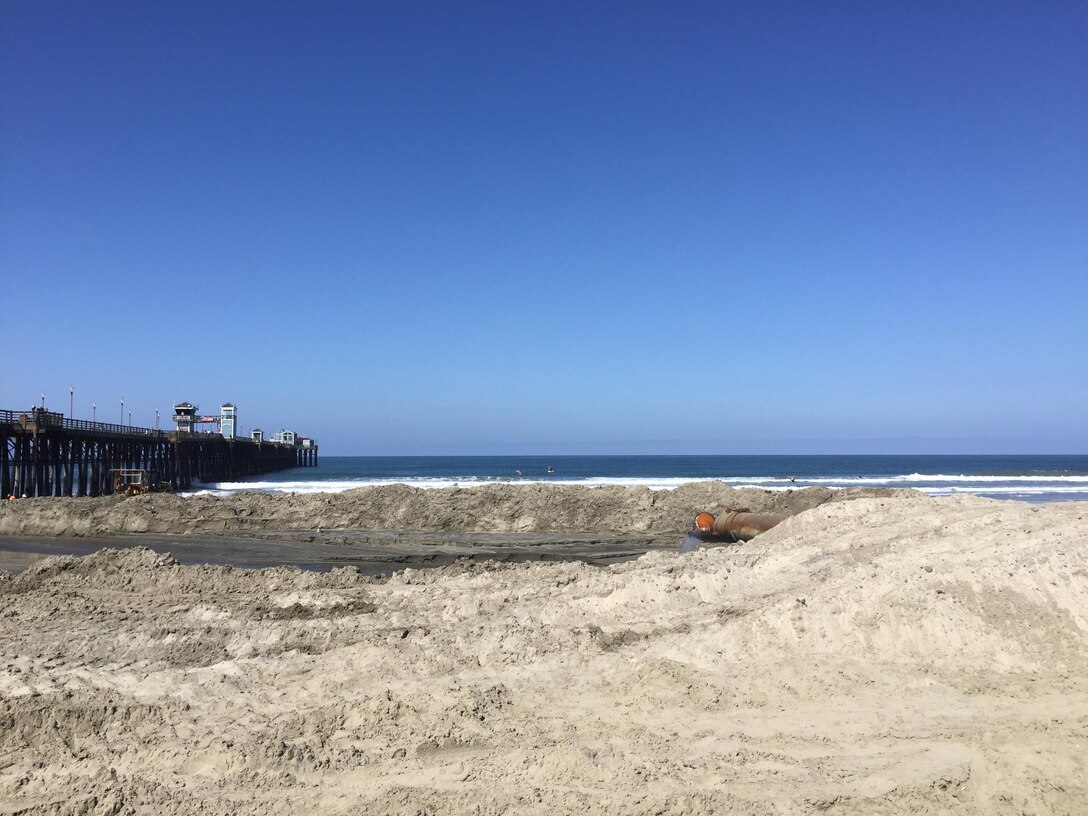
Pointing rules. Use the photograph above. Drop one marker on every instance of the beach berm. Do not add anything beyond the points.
(489, 508)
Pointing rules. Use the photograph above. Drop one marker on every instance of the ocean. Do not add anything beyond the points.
(1024, 478)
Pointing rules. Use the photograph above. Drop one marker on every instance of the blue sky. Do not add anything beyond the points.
(429, 228)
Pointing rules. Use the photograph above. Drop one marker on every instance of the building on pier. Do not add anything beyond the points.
(228, 420)
(185, 416)
(285, 437)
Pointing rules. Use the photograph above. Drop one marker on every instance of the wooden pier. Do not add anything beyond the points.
(46, 454)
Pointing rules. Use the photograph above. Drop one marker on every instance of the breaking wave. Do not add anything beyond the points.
(937, 484)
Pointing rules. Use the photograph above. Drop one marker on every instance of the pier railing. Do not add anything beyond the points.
(42, 420)
(50, 419)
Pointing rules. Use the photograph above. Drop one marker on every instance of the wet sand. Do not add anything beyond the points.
(372, 552)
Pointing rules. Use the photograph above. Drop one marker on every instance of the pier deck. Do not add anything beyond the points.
(43, 453)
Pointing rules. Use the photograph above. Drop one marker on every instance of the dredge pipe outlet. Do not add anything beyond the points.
(734, 525)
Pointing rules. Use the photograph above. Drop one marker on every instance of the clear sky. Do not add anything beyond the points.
(453, 227)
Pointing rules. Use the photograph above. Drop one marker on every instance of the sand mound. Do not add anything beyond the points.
(883, 655)
(489, 508)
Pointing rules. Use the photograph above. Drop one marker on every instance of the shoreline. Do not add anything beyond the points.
(1049, 477)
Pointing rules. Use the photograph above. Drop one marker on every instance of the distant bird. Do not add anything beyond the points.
(517, 473)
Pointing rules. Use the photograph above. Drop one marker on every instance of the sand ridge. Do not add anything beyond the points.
(486, 508)
(892, 654)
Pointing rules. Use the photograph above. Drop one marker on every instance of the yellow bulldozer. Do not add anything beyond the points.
(135, 482)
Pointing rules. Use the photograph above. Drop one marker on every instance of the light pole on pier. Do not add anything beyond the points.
(130, 419)
(71, 402)
(122, 412)
(43, 400)
(94, 412)
(156, 419)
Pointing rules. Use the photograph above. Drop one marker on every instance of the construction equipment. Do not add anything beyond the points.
(136, 481)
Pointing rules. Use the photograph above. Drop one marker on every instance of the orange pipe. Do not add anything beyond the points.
(734, 525)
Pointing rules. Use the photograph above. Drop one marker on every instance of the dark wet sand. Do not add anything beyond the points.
(373, 552)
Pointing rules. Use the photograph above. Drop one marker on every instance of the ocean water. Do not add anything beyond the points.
(1024, 478)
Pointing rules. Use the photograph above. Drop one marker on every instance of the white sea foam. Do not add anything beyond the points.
(941, 477)
(933, 484)
(985, 490)
(938, 490)
(908, 479)
(429, 483)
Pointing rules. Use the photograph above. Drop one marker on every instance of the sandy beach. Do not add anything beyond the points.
(877, 652)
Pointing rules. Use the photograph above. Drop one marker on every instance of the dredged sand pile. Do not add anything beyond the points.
(489, 508)
(881, 655)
